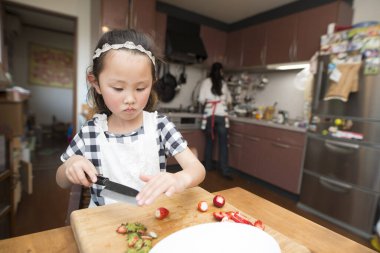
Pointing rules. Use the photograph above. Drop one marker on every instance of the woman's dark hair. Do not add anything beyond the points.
(216, 78)
(120, 37)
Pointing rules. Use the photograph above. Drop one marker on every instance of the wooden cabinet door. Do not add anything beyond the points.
(281, 165)
(281, 35)
(160, 32)
(144, 16)
(195, 139)
(115, 14)
(252, 155)
(312, 24)
(235, 149)
(254, 43)
(234, 53)
(215, 43)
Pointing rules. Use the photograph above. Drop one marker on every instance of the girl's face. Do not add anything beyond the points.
(125, 83)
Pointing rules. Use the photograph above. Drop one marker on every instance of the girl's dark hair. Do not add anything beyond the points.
(216, 78)
(120, 37)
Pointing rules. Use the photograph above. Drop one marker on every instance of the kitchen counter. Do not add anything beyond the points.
(239, 119)
(298, 229)
(267, 123)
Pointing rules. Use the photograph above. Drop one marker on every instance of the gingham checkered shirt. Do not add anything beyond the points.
(85, 143)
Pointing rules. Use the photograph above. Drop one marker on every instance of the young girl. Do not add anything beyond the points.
(124, 141)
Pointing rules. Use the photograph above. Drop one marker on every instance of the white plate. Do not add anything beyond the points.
(218, 237)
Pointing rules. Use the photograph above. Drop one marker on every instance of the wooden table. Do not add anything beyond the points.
(303, 231)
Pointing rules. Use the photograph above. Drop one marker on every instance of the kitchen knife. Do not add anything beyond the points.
(116, 191)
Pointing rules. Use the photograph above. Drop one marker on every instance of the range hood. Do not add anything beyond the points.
(183, 42)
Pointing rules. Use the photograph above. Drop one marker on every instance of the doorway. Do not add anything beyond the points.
(29, 33)
(40, 55)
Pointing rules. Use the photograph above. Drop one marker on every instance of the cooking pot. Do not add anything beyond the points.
(166, 86)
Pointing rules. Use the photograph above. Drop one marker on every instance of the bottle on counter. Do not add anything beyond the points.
(269, 112)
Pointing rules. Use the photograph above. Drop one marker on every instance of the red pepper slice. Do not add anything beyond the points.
(237, 217)
(259, 224)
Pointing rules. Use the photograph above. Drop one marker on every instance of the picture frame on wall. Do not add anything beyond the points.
(50, 66)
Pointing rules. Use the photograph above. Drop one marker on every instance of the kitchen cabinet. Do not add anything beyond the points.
(160, 33)
(195, 139)
(234, 49)
(280, 45)
(143, 16)
(281, 160)
(313, 23)
(281, 164)
(13, 116)
(7, 186)
(115, 14)
(254, 45)
(235, 144)
(215, 43)
(136, 14)
(296, 37)
(271, 154)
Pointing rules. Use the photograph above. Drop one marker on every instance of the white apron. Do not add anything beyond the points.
(125, 162)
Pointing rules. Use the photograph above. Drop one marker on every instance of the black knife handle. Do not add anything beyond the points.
(101, 180)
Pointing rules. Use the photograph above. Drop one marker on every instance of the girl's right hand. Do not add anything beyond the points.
(79, 170)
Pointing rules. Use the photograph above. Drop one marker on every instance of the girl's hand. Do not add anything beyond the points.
(162, 182)
(79, 170)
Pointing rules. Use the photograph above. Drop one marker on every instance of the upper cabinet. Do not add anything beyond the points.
(136, 14)
(234, 49)
(281, 39)
(254, 45)
(160, 33)
(295, 37)
(115, 14)
(313, 23)
(215, 43)
(143, 16)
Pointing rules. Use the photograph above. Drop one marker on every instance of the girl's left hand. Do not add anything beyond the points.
(162, 182)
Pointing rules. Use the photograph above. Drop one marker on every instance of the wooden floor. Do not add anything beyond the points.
(46, 207)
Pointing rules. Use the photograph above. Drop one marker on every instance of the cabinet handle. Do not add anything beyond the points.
(295, 49)
(331, 144)
(290, 52)
(253, 138)
(280, 145)
(334, 185)
(317, 89)
(235, 145)
(262, 52)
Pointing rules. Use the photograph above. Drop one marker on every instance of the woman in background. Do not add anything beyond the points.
(215, 97)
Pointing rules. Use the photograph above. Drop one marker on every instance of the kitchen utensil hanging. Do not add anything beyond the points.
(183, 77)
(166, 86)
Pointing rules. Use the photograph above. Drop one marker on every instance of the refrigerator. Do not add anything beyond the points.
(341, 173)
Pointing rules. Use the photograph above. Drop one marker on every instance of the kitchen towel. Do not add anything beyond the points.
(347, 83)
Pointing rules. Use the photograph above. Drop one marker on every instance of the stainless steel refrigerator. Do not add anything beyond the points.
(341, 174)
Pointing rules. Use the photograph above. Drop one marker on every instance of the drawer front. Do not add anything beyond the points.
(237, 127)
(340, 201)
(353, 163)
(276, 134)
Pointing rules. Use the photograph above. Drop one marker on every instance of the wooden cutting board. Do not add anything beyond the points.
(94, 228)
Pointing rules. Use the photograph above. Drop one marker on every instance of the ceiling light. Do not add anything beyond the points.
(289, 66)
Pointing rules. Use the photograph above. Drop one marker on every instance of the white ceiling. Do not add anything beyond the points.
(227, 11)
(41, 19)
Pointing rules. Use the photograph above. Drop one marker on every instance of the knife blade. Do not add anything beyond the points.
(116, 191)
